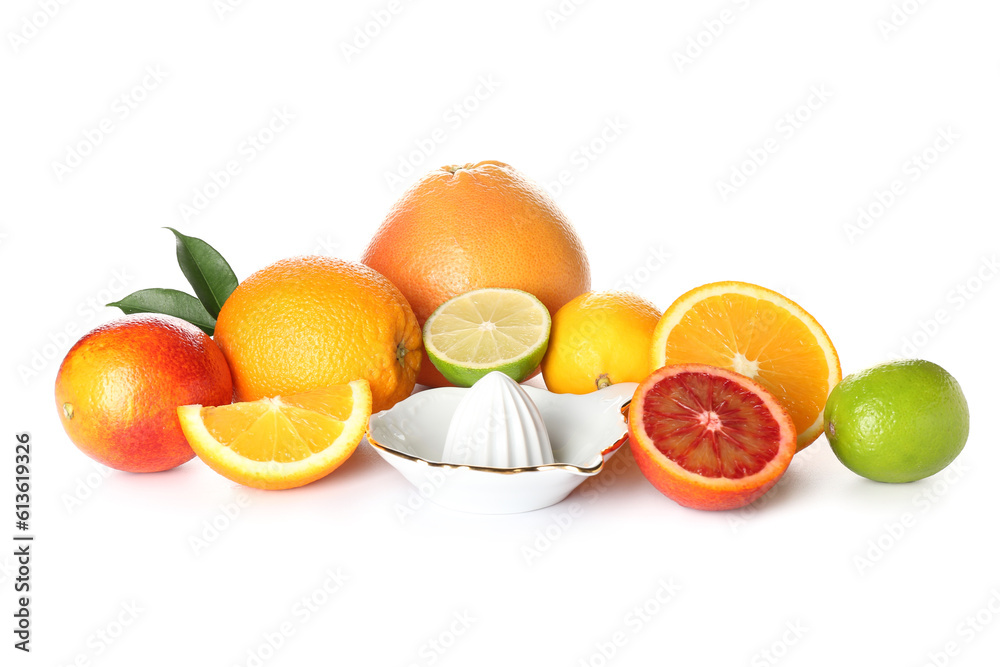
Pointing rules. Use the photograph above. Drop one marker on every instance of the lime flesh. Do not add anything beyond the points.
(897, 422)
(485, 330)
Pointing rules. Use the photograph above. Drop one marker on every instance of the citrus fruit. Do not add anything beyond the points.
(707, 437)
(599, 339)
(486, 330)
(281, 442)
(897, 422)
(758, 333)
(461, 228)
(311, 322)
(119, 386)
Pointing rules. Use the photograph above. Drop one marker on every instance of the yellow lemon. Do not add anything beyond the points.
(599, 339)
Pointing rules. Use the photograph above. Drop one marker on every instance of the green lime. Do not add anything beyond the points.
(487, 330)
(897, 422)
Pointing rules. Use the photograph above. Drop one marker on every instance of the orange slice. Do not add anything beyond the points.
(757, 333)
(281, 442)
(709, 438)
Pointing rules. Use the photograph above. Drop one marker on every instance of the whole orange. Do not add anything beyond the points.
(599, 339)
(461, 228)
(119, 387)
(310, 322)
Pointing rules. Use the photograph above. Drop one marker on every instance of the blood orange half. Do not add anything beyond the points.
(709, 438)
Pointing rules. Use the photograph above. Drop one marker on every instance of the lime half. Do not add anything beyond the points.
(485, 330)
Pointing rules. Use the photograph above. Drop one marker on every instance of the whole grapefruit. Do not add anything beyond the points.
(467, 227)
(310, 322)
(119, 387)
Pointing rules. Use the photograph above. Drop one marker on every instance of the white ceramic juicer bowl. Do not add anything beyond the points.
(584, 431)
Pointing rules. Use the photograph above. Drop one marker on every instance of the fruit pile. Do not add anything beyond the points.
(478, 268)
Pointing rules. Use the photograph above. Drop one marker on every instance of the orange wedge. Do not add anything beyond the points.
(282, 442)
(757, 333)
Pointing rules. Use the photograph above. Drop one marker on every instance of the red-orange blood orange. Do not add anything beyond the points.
(709, 438)
(119, 387)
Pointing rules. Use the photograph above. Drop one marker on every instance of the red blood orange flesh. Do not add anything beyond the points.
(709, 438)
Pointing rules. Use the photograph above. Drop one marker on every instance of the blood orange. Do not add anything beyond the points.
(119, 386)
(709, 438)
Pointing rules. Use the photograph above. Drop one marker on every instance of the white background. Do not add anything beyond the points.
(796, 560)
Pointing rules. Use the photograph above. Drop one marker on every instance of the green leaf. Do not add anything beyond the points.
(208, 272)
(168, 302)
